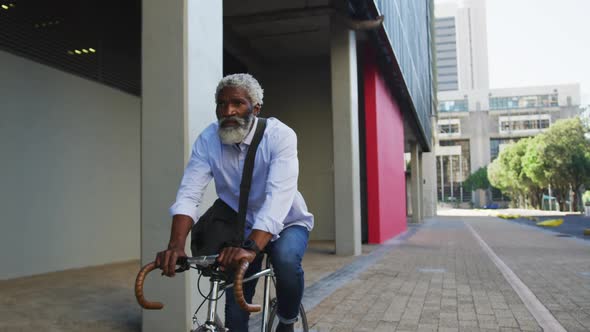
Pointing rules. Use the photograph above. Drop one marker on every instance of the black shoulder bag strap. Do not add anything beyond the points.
(247, 174)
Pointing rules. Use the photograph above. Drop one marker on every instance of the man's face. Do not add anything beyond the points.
(235, 113)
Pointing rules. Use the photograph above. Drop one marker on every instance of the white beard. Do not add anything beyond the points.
(235, 135)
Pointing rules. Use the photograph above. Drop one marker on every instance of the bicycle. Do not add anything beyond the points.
(208, 267)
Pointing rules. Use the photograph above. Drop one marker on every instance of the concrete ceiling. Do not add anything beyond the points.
(272, 31)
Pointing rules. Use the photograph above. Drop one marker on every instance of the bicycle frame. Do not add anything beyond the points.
(218, 285)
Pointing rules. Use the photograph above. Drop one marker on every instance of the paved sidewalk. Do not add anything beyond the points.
(555, 269)
(438, 278)
(100, 299)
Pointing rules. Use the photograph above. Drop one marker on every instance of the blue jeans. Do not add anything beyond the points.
(285, 254)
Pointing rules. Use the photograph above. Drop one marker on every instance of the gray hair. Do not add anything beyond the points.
(246, 82)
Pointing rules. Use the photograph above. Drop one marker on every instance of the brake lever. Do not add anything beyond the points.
(183, 264)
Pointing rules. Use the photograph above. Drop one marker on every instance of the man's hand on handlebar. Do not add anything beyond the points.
(230, 257)
(166, 260)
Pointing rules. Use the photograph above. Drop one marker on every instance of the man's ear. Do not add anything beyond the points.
(256, 110)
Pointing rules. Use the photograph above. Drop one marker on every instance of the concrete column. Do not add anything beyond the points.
(421, 186)
(347, 207)
(442, 179)
(430, 184)
(182, 43)
(416, 183)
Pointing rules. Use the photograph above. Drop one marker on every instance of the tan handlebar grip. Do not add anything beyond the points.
(139, 288)
(239, 289)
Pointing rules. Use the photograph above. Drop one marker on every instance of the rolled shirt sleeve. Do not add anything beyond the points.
(281, 185)
(197, 176)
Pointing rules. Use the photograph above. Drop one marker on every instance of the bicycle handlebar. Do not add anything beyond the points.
(139, 288)
(238, 284)
(239, 289)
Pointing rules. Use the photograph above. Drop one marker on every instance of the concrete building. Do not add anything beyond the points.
(100, 108)
(461, 45)
(475, 122)
(474, 126)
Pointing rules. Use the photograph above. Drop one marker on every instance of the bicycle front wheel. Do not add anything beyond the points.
(273, 320)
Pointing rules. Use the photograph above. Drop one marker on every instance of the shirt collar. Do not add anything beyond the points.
(248, 139)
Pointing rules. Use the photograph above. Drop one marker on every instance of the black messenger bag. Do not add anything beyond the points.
(221, 226)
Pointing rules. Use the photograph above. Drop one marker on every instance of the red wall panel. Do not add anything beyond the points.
(386, 183)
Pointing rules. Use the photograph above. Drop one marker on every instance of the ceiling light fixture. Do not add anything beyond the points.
(5, 7)
(82, 51)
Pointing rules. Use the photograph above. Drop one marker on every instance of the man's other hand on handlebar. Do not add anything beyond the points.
(230, 257)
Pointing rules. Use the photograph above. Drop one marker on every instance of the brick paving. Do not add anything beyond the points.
(438, 279)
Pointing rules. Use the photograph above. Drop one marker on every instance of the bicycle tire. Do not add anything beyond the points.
(301, 324)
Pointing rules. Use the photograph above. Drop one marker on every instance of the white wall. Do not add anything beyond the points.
(300, 96)
(69, 170)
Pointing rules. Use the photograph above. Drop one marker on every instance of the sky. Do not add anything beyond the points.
(538, 42)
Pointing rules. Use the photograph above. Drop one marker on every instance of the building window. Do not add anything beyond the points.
(450, 128)
(524, 123)
(533, 101)
(460, 105)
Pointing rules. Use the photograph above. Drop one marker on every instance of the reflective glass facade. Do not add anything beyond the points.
(408, 27)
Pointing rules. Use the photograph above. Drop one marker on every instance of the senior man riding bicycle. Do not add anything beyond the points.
(277, 219)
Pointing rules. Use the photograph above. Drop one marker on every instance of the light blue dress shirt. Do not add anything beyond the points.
(274, 202)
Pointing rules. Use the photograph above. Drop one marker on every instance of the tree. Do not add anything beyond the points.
(567, 154)
(477, 180)
(558, 158)
(499, 173)
(508, 173)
